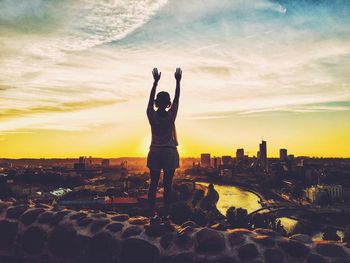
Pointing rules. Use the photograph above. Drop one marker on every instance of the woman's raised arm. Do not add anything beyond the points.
(156, 77)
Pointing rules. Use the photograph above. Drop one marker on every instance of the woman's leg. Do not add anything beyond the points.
(155, 174)
(167, 182)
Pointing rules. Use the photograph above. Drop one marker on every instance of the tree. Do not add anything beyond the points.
(237, 217)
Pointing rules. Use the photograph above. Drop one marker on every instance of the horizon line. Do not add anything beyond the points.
(184, 157)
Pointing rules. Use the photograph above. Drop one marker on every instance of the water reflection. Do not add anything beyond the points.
(238, 197)
(235, 196)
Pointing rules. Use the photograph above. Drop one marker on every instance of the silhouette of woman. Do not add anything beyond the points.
(163, 154)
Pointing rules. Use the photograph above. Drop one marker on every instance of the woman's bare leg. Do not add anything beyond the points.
(152, 191)
(167, 182)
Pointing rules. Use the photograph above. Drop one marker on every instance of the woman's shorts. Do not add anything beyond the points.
(166, 158)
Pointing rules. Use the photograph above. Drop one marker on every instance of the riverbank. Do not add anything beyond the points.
(243, 186)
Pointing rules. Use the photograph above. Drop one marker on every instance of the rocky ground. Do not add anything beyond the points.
(45, 234)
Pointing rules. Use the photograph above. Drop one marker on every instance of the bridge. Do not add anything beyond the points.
(291, 210)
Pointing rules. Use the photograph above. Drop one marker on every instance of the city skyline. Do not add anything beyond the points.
(75, 76)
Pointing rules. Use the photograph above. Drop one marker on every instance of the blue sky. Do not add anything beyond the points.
(79, 66)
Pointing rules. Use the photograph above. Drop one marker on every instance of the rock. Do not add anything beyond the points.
(120, 218)
(138, 250)
(8, 232)
(138, 220)
(182, 258)
(341, 260)
(33, 240)
(83, 248)
(132, 231)
(313, 258)
(225, 260)
(209, 241)
(272, 255)
(115, 227)
(302, 238)
(186, 230)
(218, 227)
(84, 221)
(98, 225)
(44, 259)
(189, 223)
(294, 248)
(31, 215)
(267, 232)
(99, 215)
(330, 250)
(56, 218)
(264, 240)
(78, 216)
(238, 236)
(42, 205)
(62, 241)
(104, 248)
(15, 212)
(248, 252)
(166, 240)
(45, 217)
(184, 240)
(155, 230)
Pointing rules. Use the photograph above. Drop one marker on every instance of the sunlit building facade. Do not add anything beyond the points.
(316, 193)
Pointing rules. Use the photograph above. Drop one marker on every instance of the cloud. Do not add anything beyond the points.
(56, 108)
(238, 57)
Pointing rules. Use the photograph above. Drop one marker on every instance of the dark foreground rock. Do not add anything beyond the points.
(55, 235)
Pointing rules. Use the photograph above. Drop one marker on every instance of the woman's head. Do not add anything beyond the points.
(163, 100)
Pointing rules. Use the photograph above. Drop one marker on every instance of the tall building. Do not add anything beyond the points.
(226, 160)
(205, 160)
(263, 155)
(216, 162)
(240, 154)
(283, 155)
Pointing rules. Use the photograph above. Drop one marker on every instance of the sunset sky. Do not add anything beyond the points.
(75, 75)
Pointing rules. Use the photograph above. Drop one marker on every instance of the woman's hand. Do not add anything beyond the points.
(156, 75)
(178, 74)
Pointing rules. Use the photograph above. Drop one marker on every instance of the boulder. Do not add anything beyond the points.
(302, 238)
(15, 212)
(264, 240)
(273, 255)
(294, 248)
(138, 220)
(132, 231)
(33, 240)
(8, 233)
(115, 227)
(314, 258)
(137, 250)
(330, 250)
(209, 241)
(248, 252)
(120, 217)
(104, 248)
(98, 224)
(45, 217)
(31, 215)
(62, 241)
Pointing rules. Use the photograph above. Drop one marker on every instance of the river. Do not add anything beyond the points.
(238, 197)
